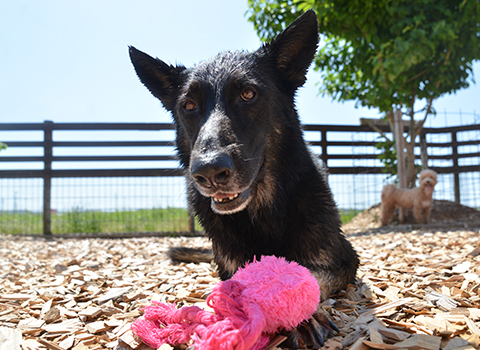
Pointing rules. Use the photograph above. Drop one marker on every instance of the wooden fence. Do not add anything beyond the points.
(49, 144)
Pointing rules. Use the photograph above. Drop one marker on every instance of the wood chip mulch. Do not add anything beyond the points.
(417, 290)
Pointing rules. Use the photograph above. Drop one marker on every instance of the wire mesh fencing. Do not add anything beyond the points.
(104, 199)
(96, 205)
(21, 205)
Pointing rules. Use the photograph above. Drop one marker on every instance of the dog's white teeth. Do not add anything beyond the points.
(221, 200)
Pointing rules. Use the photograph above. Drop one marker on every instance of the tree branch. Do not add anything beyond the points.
(427, 112)
(424, 71)
(363, 32)
(412, 78)
(412, 118)
(377, 129)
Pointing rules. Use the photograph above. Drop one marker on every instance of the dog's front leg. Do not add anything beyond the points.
(426, 214)
(386, 213)
(311, 333)
(417, 213)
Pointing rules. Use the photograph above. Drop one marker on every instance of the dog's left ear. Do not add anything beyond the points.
(295, 48)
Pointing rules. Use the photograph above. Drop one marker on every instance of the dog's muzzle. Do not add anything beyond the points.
(215, 178)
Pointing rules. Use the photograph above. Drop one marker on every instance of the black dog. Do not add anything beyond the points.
(251, 179)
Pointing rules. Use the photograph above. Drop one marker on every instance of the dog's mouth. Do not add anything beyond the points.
(237, 191)
(229, 203)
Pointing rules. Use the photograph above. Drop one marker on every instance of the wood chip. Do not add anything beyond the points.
(474, 252)
(81, 346)
(16, 297)
(420, 341)
(473, 327)
(96, 327)
(68, 342)
(112, 294)
(81, 294)
(32, 344)
(67, 326)
(131, 339)
(10, 339)
(91, 311)
(455, 343)
(52, 315)
(50, 345)
(380, 346)
(359, 345)
(165, 347)
(375, 336)
(393, 334)
(387, 306)
(279, 339)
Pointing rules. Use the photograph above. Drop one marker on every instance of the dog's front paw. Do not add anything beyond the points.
(310, 334)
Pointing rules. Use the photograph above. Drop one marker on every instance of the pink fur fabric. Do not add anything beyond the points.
(262, 298)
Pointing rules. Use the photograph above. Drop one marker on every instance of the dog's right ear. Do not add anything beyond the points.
(295, 48)
(160, 78)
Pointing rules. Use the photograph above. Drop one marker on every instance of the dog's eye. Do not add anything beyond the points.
(247, 94)
(190, 105)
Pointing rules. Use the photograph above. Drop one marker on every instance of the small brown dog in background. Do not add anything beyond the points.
(417, 199)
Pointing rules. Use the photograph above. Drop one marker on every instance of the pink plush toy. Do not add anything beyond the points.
(264, 297)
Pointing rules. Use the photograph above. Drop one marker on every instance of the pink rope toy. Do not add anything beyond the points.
(262, 298)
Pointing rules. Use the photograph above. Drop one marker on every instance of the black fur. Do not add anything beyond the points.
(193, 255)
(239, 136)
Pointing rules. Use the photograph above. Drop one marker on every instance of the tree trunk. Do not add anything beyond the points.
(399, 144)
(410, 146)
(410, 166)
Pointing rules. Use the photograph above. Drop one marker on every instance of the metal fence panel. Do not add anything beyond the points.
(99, 184)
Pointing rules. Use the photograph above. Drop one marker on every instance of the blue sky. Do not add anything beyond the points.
(67, 61)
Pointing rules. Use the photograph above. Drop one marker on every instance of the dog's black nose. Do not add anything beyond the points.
(211, 172)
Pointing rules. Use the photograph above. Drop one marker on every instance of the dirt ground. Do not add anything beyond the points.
(418, 287)
(444, 214)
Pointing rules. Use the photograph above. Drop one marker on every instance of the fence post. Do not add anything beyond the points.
(456, 176)
(191, 221)
(47, 177)
(324, 145)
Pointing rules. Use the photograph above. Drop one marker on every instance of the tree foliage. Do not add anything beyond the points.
(388, 155)
(385, 54)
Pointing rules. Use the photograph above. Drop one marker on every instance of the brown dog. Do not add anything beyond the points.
(417, 199)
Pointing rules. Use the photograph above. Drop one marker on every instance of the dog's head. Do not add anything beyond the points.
(428, 179)
(228, 109)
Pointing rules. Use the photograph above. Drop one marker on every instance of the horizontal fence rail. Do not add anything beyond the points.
(320, 137)
(325, 144)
